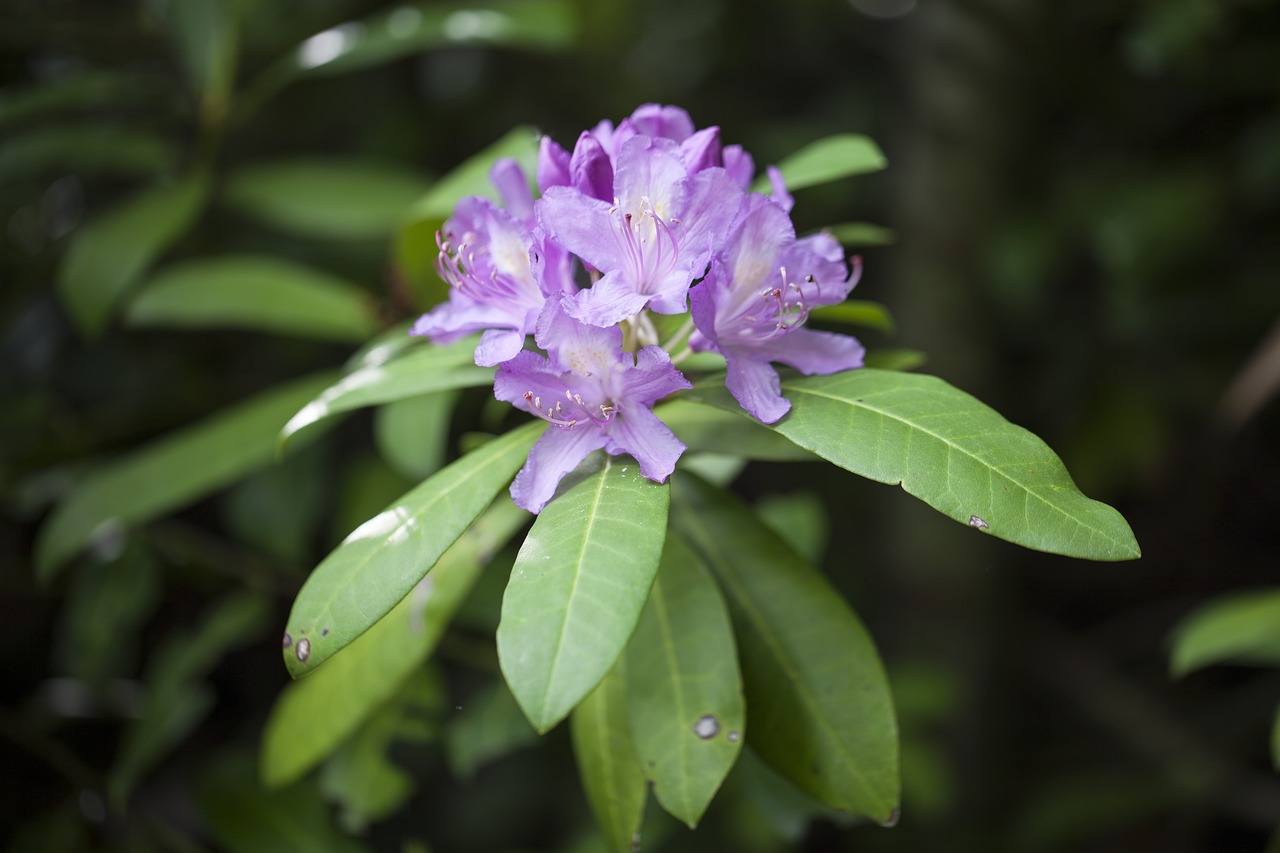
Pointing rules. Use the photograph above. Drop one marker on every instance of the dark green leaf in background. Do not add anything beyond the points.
(578, 586)
(818, 703)
(177, 697)
(1244, 628)
(316, 715)
(325, 199)
(856, 312)
(382, 560)
(954, 453)
(245, 818)
(413, 434)
(205, 35)
(420, 371)
(852, 234)
(704, 428)
(684, 691)
(76, 90)
(84, 149)
(110, 253)
(255, 292)
(171, 472)
(489, 726)
(360, 776)
(800, 519)
(611, 775)
(826, 160)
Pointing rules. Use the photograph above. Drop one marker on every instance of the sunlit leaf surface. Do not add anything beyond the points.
(578, 586)
(317, 714)
(953, 452)
(375, 567)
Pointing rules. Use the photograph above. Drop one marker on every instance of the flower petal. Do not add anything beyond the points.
(498, 345)
(815, 353)
(641, 433)
(607, 302)
(557, 453)
(755, 385)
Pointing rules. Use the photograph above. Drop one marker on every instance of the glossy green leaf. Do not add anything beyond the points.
(862, 234)
(684, 691)
(1243, 628)
(489, 726)
(411, 28)
(244, 818)
(420, 371)
(413, 434)
(84, 149)
(954, 453)
(325, 199)
(255, 292)
(171, 472)
(360, 776)
(110, 253)
(314, 716)
(704, 428)
(611, 776)
(176, 698)
(856, 312)
(578, 586)
(375, 567)
(818, 701)
(826, 160)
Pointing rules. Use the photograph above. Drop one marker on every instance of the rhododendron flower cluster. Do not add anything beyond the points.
(652, 216)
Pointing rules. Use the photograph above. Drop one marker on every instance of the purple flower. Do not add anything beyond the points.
(595, 396)
(501, 270)
(752, 305)
(589, 169)
(655, 238)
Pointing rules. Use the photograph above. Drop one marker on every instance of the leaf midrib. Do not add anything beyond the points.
(861, 402)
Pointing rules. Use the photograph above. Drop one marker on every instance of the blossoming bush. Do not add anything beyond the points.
(640, 305)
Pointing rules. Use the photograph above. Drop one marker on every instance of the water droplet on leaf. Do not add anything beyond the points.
(707, 727)
(303, 650)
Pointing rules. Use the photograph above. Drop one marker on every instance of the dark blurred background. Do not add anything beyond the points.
(1086, 202)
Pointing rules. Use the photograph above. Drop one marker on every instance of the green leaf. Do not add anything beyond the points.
(413, 434)
(883, 358)
(954, 453)
(683, 687)
(176, 700)
(578, 586)
(862, 234)
(800, 518)
(826, 160)
(704, 428)
(244, 818)
(489, 726)
(817, 696)
(410, 29)
(255, 292)
(360, 776)
(109, 254)
(375, 567)
(856, 312)
(316, 715)
(1243, 628)
(611, 775)
(204, 31)
(171, 472)
(325, 199)
(85, 89)
(422, 370)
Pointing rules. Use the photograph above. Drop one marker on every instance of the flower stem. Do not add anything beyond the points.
(680, 336)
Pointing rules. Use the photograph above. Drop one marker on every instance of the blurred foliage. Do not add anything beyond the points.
(1086, 203)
